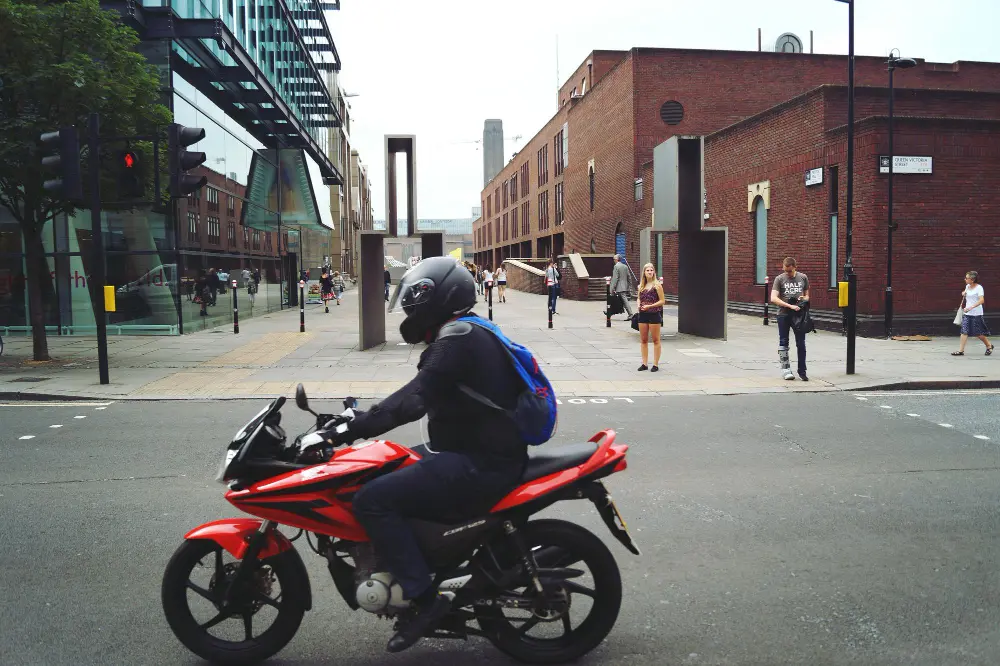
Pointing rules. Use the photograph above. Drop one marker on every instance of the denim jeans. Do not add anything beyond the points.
(553, 295)
(442, 487)
(784, 325)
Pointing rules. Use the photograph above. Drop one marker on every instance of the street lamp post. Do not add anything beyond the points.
(851, 313)
(903, 63)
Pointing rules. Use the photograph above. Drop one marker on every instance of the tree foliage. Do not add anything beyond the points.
(60, 62)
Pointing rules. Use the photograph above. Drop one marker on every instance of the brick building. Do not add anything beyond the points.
(584, 182)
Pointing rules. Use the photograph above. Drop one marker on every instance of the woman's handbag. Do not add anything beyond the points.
(635, 321)
(958, 318)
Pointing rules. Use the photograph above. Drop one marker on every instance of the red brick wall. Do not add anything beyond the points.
(603, 62)
(948, 219)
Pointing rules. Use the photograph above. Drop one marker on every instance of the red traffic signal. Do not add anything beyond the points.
(129, 159)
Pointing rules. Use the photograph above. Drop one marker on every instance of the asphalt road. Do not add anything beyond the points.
(775, 529)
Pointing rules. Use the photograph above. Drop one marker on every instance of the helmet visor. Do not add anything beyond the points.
(411, 293)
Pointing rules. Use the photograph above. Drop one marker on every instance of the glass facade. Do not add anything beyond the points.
(264, 205)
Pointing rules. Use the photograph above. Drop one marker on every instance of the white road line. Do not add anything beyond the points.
(101, 408)
(26, 437)
(56, 404)
(55, 426)
(860, 398)
(946, 425)
(984, 437)
(885, 406)
(913, 414)
(79, 417)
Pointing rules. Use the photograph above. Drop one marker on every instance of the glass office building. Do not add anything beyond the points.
(253, 74)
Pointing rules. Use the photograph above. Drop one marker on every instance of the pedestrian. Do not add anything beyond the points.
(487, 283)
(326, 288)
(202, 292)
(552, 278)
(338, 286)
(973, 316)
(501, 284)
(213, 285)
(479, 280)
(650, 303)
(388, 281)
(790, 292)
(619, 284)
(246, 276)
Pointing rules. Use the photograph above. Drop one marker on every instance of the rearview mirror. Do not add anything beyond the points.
(350, 403)
(301, 400)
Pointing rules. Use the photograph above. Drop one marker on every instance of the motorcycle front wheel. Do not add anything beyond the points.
(272, 596)
(580, 603)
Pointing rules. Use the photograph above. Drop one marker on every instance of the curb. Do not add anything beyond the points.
(932, 385)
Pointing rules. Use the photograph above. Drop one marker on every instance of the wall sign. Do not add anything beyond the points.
(905, 164)
(814, 176)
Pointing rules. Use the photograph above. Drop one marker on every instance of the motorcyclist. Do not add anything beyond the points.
(476, 453)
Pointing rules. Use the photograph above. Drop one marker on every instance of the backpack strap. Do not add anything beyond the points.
(479, 397)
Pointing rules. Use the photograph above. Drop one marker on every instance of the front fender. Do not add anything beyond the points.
(234, 534)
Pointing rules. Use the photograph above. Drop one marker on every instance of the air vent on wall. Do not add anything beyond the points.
(671, 112)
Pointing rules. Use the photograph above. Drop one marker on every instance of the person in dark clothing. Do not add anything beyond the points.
(202, 292)
(476, 454)
(388, 281)
(213, 284)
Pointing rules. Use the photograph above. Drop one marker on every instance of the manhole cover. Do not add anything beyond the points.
(30, 379)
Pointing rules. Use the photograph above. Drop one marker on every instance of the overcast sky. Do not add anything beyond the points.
(439, 68)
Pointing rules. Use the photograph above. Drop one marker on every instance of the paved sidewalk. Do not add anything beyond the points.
(580, 355)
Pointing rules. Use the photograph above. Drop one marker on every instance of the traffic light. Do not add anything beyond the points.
(182, 161)
(65, 164)
(130, 180)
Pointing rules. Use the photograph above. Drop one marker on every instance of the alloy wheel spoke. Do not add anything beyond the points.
(579, 589)
(219, 568)
(263, 598)
(200, 591)
(567, 625)
(528, 624)
(248, 625)
(216, 620)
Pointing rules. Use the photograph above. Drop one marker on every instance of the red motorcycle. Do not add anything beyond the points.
(235, 591)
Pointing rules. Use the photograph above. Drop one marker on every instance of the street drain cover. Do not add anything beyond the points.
(30, 379)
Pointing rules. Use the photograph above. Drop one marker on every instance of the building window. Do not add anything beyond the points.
(513, 187)
(212, 196)
(256, 239)
(760, 240)
(496, 199)
(565, 145)
(267, 242)
(638, 189)
(506, 193)
(834, 240)
(192, 227)
(246, 238)
(489, 206)
(525, 175)
(231, 205)
(590, 172)
(513, 223)
(559, 204)
(543, 210)
(526, 218)
(214, 230)
(231, 234)
(543, 165)
(506, 228)
(557, 149)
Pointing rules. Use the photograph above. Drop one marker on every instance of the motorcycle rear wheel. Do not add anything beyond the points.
(178, 589)
(567, 546)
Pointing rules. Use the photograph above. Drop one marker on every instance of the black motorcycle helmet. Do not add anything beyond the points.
(431, 293)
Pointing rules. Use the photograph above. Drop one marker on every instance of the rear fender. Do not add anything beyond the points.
(234, 534)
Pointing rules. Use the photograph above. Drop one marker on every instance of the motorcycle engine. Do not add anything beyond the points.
(381, 594)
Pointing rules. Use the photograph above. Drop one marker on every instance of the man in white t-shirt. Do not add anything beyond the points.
(973, 320)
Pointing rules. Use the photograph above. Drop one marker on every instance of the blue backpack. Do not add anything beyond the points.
(535, 413)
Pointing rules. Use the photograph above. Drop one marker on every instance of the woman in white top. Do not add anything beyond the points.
(501, 284)
(973, 321)
(488, 283)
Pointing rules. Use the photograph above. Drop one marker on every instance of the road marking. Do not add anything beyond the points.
(913, 414)
(79, 417)
(593, 401)
(698, 352)
(55, 426)
(26, 437)
(946, 425)
(99, 405)
(929, 393)
(983, 437)
(885, 406)
(863, 399)
(100, 408)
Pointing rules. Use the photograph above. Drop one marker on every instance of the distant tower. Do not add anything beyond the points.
(492, 149)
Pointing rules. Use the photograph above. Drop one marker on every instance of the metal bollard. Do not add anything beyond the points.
(302, 306)
(236, 312)
(767, 300)
(489, 294)
(607, 303)
(550, 317)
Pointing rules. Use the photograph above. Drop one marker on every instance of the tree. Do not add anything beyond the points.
(59, 62)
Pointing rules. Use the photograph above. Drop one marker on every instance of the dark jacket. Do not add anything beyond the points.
(462, 354)
(802, 320)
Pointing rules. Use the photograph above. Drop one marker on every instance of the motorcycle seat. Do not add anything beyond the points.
(545, 460)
